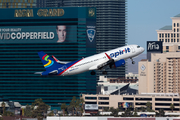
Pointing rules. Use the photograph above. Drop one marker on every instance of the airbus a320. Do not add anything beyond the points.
(113, 58)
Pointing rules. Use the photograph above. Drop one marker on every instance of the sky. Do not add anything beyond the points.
(144, 17)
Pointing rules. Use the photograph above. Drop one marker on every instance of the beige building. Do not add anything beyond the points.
(170, 35)
(161, 75)
(158, 100)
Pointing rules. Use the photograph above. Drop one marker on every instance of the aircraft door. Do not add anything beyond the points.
(132, 49)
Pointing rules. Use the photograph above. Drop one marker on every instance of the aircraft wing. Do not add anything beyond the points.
(102, 64)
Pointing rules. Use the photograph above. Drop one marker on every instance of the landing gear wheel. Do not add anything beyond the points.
(93, 73)
(133, 62)
(104, 72)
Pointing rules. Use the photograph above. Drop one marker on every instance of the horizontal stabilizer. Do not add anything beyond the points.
(39, 73)
(61, 62)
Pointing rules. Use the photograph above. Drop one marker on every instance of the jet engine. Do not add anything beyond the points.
(118, 63)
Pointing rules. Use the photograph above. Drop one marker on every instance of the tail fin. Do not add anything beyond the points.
(48, 62)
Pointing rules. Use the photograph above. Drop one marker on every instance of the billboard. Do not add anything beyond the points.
(154, 46)
(125, 105)
(91, 107)
(34, 34)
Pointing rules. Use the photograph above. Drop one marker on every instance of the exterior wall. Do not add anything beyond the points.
(143, 76)
(138, 101)
(161, 74)
(18, 3)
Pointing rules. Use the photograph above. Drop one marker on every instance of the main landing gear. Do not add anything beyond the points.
(133, 62)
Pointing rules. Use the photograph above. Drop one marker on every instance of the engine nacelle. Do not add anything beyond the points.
(118, 63)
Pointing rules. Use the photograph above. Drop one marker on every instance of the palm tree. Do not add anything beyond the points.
(63, 107)
(3, 106)
(82, 105)
(172, 107)
(148, 105)
(77, 105)
(73, 104)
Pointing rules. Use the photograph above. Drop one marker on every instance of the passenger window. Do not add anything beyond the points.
(138, 46)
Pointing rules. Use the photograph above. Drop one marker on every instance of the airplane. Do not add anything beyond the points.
(113, 58)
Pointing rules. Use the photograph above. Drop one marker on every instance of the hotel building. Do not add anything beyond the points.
(170, 35)
(160, 74)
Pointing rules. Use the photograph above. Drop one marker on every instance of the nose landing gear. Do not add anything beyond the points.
(133, 62)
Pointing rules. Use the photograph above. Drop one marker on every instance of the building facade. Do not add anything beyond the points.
(18, 3)
(24, 33)
(158, 101)
(170, 35)
(110, 22)
(161, 75)
(109, 86)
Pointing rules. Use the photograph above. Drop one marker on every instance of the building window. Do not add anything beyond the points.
(159, 39)
(103, 103)
(165, 35)
(174, 40)
(177, 24)
(174, 24)
(171, 40)
(103, 98)
(178, 30)
(160, 35)
(171, 35)
(168, 35)
(168, 40)
(165, 40)
(178, 35)
(177, 40)
(174, 30)
(167, 47)
(174, 35)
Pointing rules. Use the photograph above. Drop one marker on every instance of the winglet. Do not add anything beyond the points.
(107, 56)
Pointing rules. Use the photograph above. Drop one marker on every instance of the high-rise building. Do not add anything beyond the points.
(110, 22)
(170, 35)
(24, 33)
(161, 73)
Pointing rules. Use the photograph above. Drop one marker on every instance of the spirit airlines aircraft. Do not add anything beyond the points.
(112, 58)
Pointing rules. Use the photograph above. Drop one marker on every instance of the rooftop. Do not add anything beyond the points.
(177, 15)
(168, 27)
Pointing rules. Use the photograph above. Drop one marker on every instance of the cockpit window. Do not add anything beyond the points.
(138, 46)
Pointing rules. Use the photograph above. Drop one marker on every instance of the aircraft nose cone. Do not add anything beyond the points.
(142, 49)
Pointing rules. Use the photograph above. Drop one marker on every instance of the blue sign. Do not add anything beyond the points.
(91, 34)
